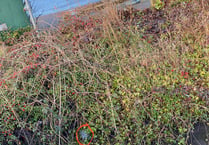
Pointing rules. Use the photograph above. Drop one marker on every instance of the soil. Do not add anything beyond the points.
(152, 22)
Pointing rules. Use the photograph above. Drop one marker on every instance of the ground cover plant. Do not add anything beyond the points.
(135, 77)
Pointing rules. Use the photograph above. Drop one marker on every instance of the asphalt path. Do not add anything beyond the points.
(52, 20)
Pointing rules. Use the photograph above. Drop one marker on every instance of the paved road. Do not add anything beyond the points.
(52, 20)
(143, 4)
(45, 7)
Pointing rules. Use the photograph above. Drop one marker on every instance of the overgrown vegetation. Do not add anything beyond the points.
(132, 79)
(10, 36)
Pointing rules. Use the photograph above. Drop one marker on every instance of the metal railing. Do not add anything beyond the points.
(27, 7)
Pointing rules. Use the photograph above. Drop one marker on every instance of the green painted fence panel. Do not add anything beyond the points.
(11, 13)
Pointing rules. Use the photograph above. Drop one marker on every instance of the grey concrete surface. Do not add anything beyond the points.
(199, 135)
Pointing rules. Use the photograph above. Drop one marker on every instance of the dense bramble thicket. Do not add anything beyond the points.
(136, 77)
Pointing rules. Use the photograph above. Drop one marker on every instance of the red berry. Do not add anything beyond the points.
(182, 73)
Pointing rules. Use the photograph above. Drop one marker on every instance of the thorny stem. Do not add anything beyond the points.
(60, 109)
(108, 94)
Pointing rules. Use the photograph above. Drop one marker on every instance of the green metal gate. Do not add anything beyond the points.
(12, 13)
